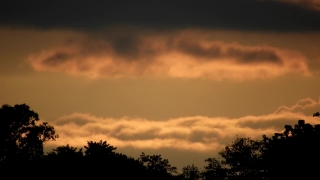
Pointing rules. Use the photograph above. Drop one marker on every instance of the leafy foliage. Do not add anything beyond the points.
(21, 137)
(191, 172)
(99, 149)
(214, 170)
(295, 150)
(65, 153)
(243, 158)
(156, 164)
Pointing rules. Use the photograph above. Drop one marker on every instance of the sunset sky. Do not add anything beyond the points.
(176, 78)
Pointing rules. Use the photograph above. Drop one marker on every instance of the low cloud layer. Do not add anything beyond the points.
(198, 133)
(178, 54)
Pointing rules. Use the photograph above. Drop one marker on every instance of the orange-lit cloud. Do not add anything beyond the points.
(183, 54)
(196, 133)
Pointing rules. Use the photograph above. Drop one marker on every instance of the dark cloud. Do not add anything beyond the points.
(199, 136)
(195, 49)
(242, 55)
(58, 58)
(168, 54)
(126, 45)
(254, 56)
(221, 14)
(141, 135)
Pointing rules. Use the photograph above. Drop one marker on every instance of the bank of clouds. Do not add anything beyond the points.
(198, 133)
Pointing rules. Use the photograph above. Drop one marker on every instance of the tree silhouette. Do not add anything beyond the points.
(214, 170)
(291, 154)
(295, 150)
(156, 164)
(191, 172)
(317, 114)
(101, 156)
(21, 136)
(156, 167)
(65, 153)
(243, 159)
(66, 160)
(99, 149)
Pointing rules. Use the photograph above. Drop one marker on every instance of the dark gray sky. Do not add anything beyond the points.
(261, 15)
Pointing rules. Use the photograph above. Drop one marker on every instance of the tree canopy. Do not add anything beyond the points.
(21, 136)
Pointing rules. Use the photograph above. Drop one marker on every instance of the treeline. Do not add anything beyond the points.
(291, 154)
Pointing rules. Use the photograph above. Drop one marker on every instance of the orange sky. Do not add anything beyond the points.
(182, 92)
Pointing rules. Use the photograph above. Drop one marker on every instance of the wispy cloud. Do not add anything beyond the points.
(179, 54)
(198, 133)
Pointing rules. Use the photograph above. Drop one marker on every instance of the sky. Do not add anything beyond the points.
(177, 78)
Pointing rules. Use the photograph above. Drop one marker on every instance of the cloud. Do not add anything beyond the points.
(262, 15)
(306, 105)
(174, 54)
(198, 133)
